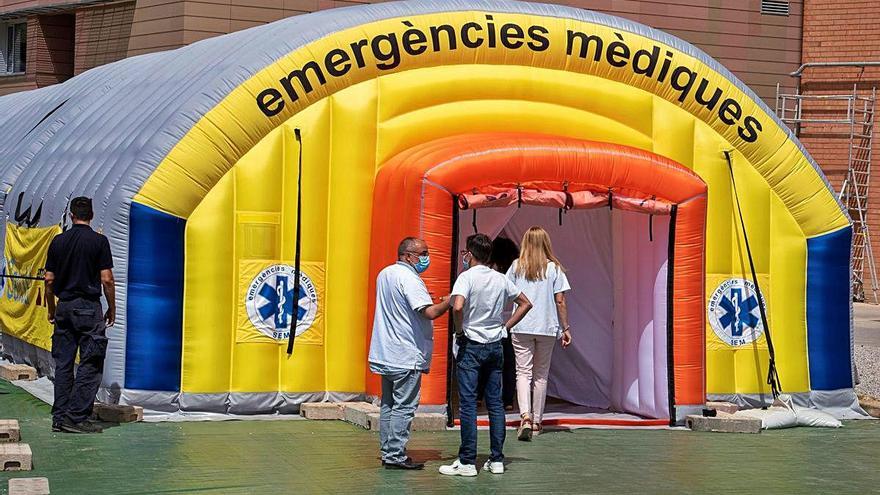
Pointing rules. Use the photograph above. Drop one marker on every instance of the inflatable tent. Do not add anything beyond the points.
(432, 118)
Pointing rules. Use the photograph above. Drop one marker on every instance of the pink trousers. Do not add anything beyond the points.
(533, 353)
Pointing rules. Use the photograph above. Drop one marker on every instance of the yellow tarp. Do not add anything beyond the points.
(23, 311)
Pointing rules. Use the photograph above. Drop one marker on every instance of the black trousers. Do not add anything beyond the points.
(79, 326)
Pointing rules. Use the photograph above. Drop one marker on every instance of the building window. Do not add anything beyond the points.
(775, 7)
(13, 47)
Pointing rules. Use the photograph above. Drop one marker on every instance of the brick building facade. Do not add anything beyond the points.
(841, 31)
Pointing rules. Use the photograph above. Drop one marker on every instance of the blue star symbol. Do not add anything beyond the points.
(279, 302)
(738, 312)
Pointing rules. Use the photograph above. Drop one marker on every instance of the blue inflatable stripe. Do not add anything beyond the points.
(828, 310)
(155, 300)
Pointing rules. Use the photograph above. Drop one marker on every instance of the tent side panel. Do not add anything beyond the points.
(828, 295)
(155, 301)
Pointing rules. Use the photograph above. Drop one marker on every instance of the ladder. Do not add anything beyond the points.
(826, 115)
(854, 191)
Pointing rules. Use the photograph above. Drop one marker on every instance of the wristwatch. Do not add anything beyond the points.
(566, 328)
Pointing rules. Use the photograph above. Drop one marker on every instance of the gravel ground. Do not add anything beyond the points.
(868, 366)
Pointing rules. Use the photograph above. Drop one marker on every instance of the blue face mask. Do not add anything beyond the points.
(465, 262)
(423, 264)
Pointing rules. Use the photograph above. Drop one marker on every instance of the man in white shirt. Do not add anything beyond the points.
(401, 345)
(478, 299)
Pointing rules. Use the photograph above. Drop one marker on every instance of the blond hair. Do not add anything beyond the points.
(535, 252)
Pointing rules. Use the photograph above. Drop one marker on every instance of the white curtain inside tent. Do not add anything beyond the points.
(616, 262)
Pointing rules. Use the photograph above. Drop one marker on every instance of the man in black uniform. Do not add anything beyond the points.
(77, 266)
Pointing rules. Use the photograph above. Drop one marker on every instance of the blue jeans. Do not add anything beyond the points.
(400, 399)
(475, 359)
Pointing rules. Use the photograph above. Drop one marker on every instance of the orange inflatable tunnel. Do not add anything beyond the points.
(654, 354)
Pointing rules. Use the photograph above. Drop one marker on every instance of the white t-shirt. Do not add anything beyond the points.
(402, 337)
(543, 318)
(485, 293)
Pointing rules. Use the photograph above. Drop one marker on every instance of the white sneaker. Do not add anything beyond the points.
(459, 469)
(494, 467)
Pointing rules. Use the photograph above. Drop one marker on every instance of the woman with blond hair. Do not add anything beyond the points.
(540, 276)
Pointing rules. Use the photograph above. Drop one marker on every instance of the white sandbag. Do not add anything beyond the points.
(807, 416)
(815, 417)
(772, 417)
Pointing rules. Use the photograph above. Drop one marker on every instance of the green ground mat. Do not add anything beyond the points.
(269, 457)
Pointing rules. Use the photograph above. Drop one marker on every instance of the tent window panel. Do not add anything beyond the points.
(260, 241)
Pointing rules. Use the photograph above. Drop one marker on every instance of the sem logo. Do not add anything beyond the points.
(733, 312)
(272, 306)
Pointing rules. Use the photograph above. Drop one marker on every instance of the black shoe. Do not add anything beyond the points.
(56, 427)
(407, 464)
(408, 459)
(83, 427)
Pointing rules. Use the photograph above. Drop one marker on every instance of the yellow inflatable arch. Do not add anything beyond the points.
(362, 85)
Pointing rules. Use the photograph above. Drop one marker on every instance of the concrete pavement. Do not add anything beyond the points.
(866, 322)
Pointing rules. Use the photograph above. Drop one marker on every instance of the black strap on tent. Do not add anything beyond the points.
(451, 379)
(519, 196)
(772, 375)
(650, 222)
(296, 259)
(670, 314)
(474, 217)
(568, 202)
(610, 199)
(21, 277)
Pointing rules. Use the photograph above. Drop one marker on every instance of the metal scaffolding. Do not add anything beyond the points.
(844, 116)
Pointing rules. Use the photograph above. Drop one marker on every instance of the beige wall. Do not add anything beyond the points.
(102, 34)
(166, 24)
(157, 26)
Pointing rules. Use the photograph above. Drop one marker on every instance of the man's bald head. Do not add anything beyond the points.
(411, 246)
